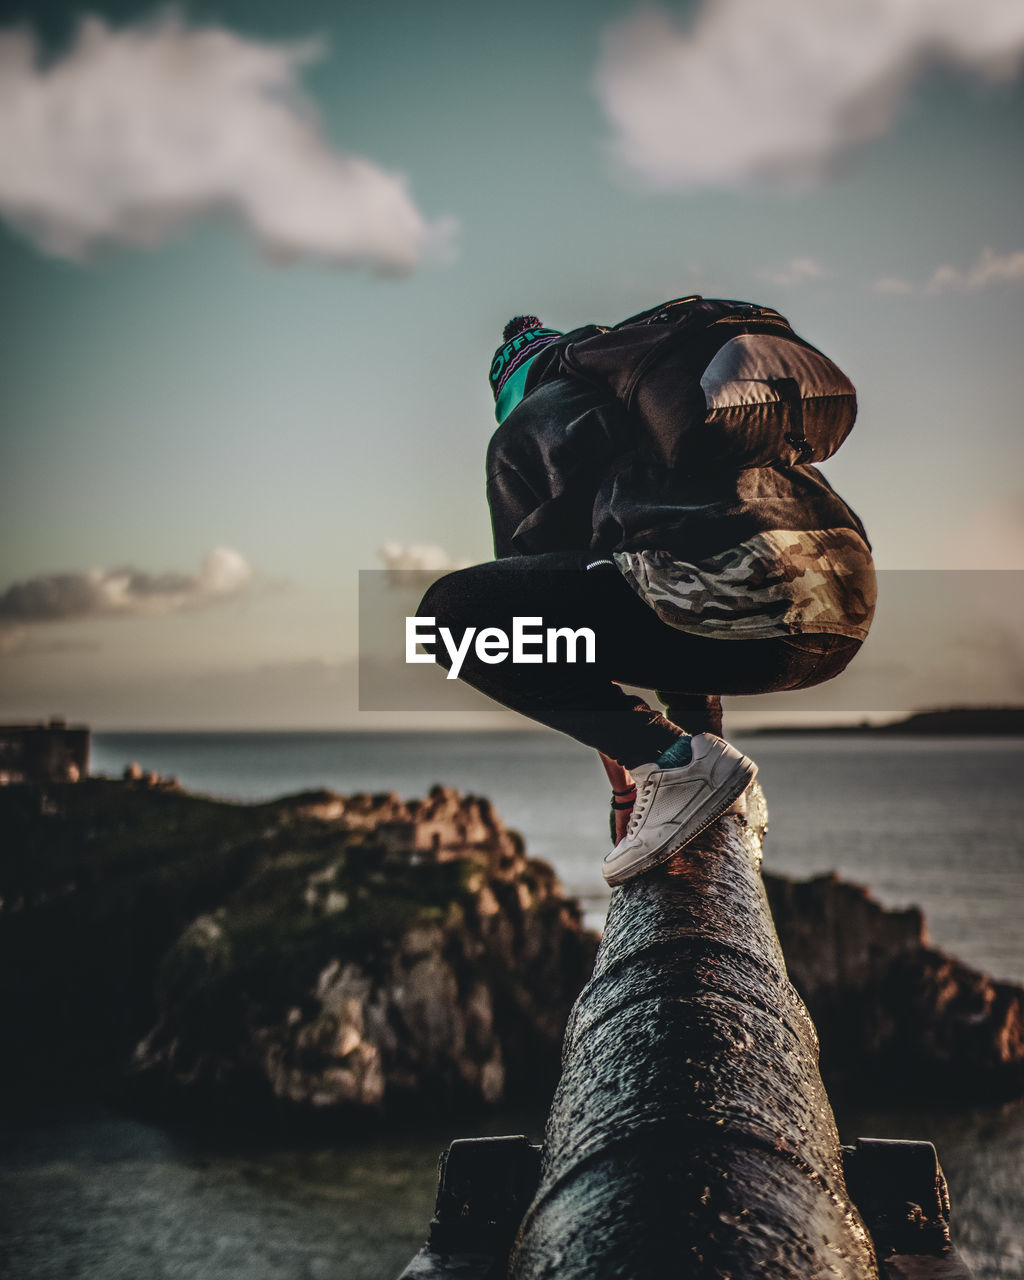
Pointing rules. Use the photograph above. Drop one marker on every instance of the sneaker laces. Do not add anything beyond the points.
(643, 799)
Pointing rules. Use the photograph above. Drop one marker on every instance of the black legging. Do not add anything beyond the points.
(633, 647)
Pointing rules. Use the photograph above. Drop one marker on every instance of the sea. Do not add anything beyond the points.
(87, 1191)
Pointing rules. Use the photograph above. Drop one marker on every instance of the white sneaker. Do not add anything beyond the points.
(674, 805)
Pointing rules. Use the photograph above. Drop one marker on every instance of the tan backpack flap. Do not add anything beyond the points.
(760, 390)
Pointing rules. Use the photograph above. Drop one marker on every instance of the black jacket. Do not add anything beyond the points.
(568, 470)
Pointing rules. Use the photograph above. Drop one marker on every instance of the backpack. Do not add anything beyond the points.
(718, 383)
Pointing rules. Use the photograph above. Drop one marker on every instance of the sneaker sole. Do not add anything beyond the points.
(738, 783)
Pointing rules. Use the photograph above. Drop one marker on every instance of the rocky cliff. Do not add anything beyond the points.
(418, 955)
(895, 1015)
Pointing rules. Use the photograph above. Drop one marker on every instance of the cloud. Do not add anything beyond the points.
(416, 564)
(119, 593)
(892, 285)
(795, 271)
(990, 268)
(750, 90)
(134, 133)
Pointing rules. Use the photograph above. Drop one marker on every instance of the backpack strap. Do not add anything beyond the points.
(788, 390)
(701, 333)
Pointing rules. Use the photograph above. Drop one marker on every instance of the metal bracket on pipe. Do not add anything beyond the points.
(483, 1188)
(901, 1192)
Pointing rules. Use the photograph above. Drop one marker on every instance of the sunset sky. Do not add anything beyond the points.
(255, 260)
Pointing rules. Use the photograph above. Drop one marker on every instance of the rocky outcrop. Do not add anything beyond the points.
(420, 955)
(895, 1015)
(334, 951)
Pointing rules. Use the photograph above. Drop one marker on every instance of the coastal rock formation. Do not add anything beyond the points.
(895, 1015)
(419, 954)
(366, 951)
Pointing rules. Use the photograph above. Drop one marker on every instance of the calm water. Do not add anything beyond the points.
(87, 1193)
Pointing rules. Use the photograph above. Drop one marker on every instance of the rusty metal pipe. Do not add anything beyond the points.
(690, 1134)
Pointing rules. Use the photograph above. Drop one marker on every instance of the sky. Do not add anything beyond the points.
(255, 260)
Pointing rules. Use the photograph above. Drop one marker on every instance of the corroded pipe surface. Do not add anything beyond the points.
(691, 1134)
